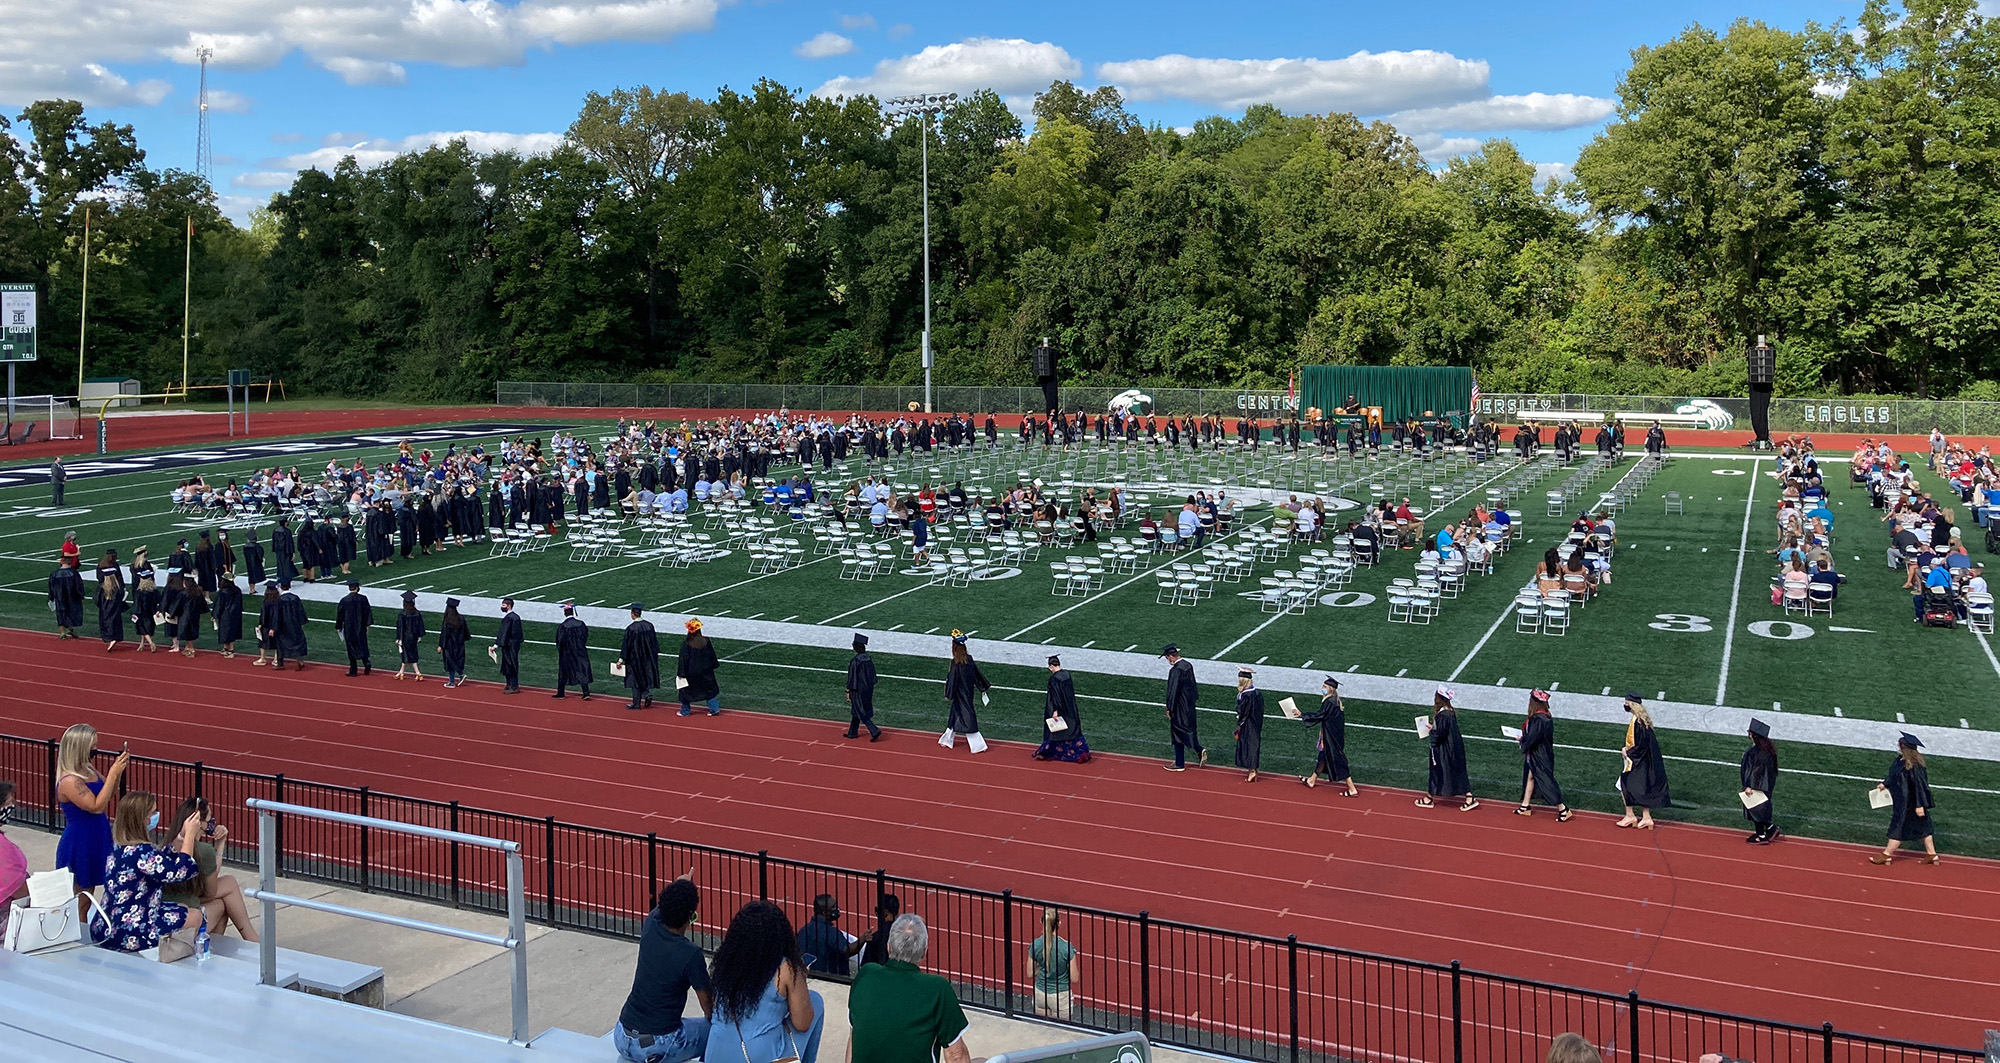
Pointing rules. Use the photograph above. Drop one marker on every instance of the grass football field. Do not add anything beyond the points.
(1687, 620)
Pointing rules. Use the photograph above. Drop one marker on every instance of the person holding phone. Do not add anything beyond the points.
(86, 799)
(139, 871)
(218, 895)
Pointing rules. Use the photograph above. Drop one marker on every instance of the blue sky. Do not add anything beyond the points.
(295, 85)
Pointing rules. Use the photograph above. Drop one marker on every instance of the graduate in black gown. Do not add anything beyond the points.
(1538, 759)
(309, 559)
(964, 686)
(639, 655)
(507, 647)
(353, 617)
(572, 654)
(253, 558)
(1760, 780)
(171, 598)
(377, 527)
(338, 545)
(453, 634)
(66, 597)
(1447, 746)
(228, 616)
(1249, 724)
(285, 561)
(1643, 782)
(290, 641)
(110, 601)
(410, 632)
(267, 625)
(205, 567)
(1909, 786)
(194, 605)
(1181, 694)
(406, 529)
(1330, 757)
(1062, 725)
(145, 606)
(861, 691)
(695, 671)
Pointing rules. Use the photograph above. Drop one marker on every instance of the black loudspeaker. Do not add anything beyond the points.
(1763, 364)
(1045, 362)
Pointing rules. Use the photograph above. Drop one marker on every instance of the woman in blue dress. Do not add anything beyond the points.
(763, 1010)
(138, 870)
(85, 798)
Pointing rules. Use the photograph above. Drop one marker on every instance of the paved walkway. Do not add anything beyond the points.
(575, 981)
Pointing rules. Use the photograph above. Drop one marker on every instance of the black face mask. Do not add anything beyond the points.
(6, 814)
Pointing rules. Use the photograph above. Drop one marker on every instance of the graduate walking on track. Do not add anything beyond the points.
(572, 654)
(1643, 782)
(290, 639)
(1538, 759)
(354, 616)
(1331, 754)
(453, 634)
(964, 687)
(1760, 781)
(267, 624)
(410, 632)
(861, 691)
(507, 647)
(66, 597)
(1249, 724)
(1062, 725)
(1447, 745)
(695, 671)
(1181, 695)
(639, 656)
(1909, 787)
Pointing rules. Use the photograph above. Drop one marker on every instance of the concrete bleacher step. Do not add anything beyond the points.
(85, 1003)
(356, 983)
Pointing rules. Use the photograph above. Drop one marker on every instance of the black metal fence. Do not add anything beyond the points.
(1244, 995)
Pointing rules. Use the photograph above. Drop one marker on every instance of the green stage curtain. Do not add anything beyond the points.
(1402, 391)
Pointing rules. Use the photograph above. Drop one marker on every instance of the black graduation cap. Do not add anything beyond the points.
(636, 607)
(1244, 673)
(1910, 740)
(1169, 650)
(1331, 681)
(353, 584)
(409, 596)
(270, 583)
(1055, 661)
(451, 603)
(285, 585)
(860, 641)
(1760, 728)
(1633, 697)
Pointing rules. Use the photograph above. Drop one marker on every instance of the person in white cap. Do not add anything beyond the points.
(1448, 775)
(963, 684)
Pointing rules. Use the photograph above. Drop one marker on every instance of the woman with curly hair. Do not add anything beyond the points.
(763, 1010)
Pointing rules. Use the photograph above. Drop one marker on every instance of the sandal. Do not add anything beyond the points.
(1880, 859)
(1350, 793)
(1425, 802)
(1626, 822)
(1645, 824)
(1470, 804)
(1310, 780)
(1931, 858)
(1564, 815)
(1524, 810)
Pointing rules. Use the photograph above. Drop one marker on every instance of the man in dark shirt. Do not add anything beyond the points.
(826, 947)
(650, 1028)
(877, 948)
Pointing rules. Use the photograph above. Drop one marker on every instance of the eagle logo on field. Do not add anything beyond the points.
(1713, 417)
(1131, 400)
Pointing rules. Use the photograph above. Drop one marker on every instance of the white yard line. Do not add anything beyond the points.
(1984, 645)
(1481, 644)
(1736, 588)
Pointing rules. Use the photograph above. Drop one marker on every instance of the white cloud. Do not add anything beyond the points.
(373, 151)
(75, 43)
(1366, 82)
(824, 46)
(1536, 110)
(899, 31)
(857, 22)
(263, 179)
(1547, 173)
(227, 102)
(1436, 148)
(1010, 67)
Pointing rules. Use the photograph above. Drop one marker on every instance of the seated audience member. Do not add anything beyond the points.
(140, 871)
(1823, 573)
(650, 1028)
(887, 908)
(216, 894)
(827, 948)
(13, 862)
(763, 1009)
(900, 1014)
(1572, 1048)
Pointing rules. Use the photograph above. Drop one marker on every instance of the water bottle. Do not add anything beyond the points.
(201, 951)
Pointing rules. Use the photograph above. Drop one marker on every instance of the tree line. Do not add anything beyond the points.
(1836, 189)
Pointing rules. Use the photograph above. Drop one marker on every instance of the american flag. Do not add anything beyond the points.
(1475, 396)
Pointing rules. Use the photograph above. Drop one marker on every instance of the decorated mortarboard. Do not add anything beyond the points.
(958, 637)
(693, 623)
(1446, 692)
(1760, 728)
(1538, 695)
(1909, 740)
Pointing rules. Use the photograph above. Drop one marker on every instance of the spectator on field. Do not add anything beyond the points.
(139, 872)
(1572, 1048)
(827, 948)
(1823, 573)
(887, 908)
(1054, 963)
(13, 862)
(897, 1013)
(763, 1010)
(1548, 575)
(650, 1028)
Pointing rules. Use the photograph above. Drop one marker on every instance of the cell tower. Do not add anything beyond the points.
(204, 160)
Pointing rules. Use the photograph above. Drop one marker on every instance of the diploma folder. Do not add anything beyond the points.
(1057, 724)
(1753, 798)
(1511, 732)
(680, 682)
(1423, 727)
(1290, 707)
(618, 668)
(1880, 799)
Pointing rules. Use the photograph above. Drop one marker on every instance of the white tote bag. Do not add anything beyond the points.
(34, 929)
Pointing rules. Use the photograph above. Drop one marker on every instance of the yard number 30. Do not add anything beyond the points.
(1680, 622)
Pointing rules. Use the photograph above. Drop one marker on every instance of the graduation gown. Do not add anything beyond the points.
(66, 594)
(192, 608)
(281, 551)
(253, 561)
(860, 693)
(267, 624)
(962, 686)
(1180, 704)
(1760, 773)
(508, 641)
(1448, 774)
(406, 530)
(573, 653)
(144, 605)
(1909, 789)
(111, 607)
(1332, 720)
(377, 528)
(354, 616)
(291, 641)
(451, 647)
(410, 632)
(205, 566)
(1644, 781)
(697, 664)
(228, 612)
(1538, 756)
(641, 653)
(1249, 728)
(1065, 744)
(171, 599)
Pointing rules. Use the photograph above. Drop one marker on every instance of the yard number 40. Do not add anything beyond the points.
(1680, 622)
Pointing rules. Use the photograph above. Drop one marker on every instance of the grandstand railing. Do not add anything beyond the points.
(1889, 416)
(1244, 995)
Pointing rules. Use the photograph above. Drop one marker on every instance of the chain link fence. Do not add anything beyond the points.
(1876, 416)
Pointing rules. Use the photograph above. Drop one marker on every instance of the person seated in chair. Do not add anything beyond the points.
(1937, 579)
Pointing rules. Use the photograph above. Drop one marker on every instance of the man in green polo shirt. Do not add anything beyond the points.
(899, 1014)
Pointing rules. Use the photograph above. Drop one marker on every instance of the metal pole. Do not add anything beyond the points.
(267, 882)
(924, 134)
(187, 292)
(517, 929)
(83, 311)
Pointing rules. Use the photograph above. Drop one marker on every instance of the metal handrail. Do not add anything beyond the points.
(516, 941)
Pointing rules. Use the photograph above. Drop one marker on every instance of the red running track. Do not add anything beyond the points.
(1805, 931)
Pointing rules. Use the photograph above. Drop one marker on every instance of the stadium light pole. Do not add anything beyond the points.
(925, 107)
